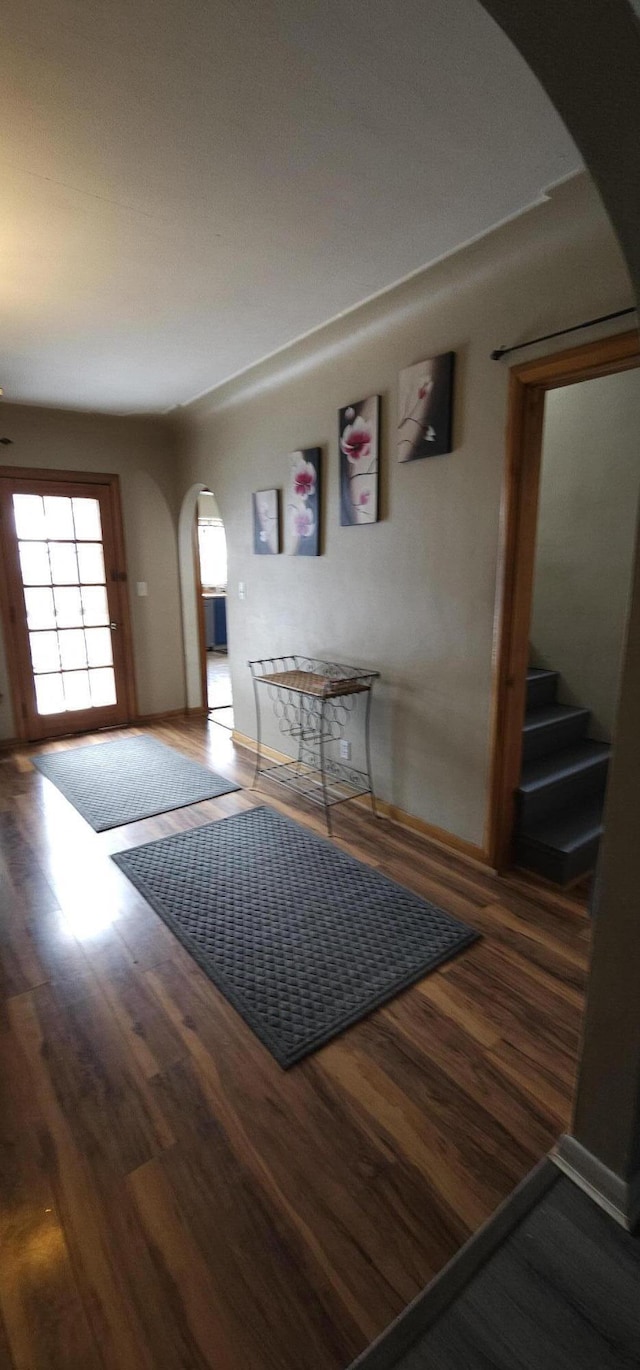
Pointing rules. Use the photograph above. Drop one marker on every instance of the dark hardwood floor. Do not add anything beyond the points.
(170, 1198)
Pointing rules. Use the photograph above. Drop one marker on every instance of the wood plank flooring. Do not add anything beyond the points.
(170, 1198)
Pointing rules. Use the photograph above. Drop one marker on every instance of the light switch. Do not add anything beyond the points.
(242, 590)
(141, 588)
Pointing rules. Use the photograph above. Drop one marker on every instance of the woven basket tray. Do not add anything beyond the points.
(309, 683)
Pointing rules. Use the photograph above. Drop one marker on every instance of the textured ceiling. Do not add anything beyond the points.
(188, 185)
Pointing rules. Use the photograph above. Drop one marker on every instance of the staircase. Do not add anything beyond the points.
(560, 798)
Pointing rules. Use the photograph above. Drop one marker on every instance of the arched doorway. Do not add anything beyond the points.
(211, 588)
(203, 623)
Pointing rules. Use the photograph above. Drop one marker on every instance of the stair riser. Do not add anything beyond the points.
(557, 866)
(553, 736)
(541, 691)
(559, 793)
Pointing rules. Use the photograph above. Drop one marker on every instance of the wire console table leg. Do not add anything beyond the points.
(367, 749)
(258, 764)
(323, 778)
(301, 738)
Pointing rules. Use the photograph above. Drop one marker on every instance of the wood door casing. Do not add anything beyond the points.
(30, 725)
(528, 385)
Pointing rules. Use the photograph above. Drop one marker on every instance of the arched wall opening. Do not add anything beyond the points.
(195, 682)
(201, 541)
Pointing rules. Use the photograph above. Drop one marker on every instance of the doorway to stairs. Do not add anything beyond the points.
(571, 499)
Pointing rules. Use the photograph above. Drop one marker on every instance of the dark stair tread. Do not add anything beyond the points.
(548, 714)
(543, 770)
(540, 673)
(569, 829)
(560, 797)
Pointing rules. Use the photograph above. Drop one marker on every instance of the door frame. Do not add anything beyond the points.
(202, 626)
(528, 385)
(117, 575)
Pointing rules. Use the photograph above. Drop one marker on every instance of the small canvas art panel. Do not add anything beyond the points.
(359, 433)
(266, 522)
(302, 513)
(425, 403)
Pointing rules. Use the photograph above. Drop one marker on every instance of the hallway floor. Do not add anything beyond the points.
(219, 696)
(170, 1197)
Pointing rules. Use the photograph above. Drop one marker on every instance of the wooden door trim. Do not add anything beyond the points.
(122, 595)
(51, 473)
(528, 384)
(11, 642)
(119, 587)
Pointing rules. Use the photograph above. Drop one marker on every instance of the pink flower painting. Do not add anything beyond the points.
(425, 398)
(359, 440)
(302, 501)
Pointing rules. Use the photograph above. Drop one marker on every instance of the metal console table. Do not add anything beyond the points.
(314, 701)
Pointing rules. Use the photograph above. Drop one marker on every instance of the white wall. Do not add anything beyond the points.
(413, 595)
(589, 489)
(141, 452)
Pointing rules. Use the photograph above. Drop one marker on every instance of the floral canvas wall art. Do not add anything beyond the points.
(425, 403)
(359, 436)
(266, 522)
(302, 499)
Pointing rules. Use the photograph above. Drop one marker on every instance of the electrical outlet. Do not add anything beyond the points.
(345, 749)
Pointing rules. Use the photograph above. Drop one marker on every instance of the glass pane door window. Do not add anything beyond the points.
(64, 582)
(69, 614)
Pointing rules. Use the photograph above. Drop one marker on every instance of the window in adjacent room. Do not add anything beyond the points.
(213, 553)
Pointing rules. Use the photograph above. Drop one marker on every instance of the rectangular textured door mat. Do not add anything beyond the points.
(301, 938)
(112, 783)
